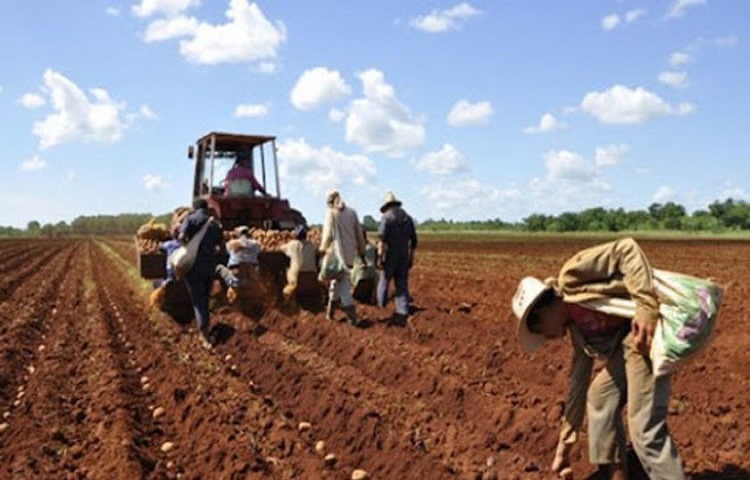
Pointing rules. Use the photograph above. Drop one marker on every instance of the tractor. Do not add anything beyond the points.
(252, 199)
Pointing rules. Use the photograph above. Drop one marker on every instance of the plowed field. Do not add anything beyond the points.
(94, 384)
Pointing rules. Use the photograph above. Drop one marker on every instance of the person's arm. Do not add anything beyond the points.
(382, 247)
(622, 259)
(575, 406)
(412, 242)
(327, 236)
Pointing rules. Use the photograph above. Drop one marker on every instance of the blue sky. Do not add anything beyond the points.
(466, 110)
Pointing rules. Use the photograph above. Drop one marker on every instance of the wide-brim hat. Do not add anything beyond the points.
(389, 200)
(529, 291)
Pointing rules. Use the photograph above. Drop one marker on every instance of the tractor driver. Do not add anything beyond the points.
(240, 180)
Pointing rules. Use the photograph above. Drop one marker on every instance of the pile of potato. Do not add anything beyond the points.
(149, 235)
(273, 240)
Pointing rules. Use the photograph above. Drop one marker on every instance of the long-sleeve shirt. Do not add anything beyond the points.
(206, 258)
(342, 226)
(397, 231)
(614, 269)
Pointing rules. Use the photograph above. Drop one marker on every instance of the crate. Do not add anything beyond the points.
(152, 266)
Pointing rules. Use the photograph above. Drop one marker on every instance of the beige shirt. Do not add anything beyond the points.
(301, 258)
(342, 231)
(614, 269)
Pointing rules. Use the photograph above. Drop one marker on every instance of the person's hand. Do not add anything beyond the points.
(643, 332)
(561, 462)
(379, 262)
(364, 260)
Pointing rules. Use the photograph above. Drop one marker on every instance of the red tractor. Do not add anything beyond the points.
(235, 199)
(238, 176)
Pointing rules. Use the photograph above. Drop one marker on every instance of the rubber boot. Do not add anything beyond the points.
(351, 315)
(331, 309)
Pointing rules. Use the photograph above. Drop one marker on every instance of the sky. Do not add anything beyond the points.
(465, 110)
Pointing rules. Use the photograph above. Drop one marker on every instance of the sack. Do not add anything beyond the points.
(183, 258)
(688, 307)
(331, 266)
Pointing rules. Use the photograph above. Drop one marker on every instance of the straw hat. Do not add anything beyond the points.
(390, 199)
(529, 290)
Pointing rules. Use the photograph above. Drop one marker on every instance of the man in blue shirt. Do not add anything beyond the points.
(398, 240)
(201, 276)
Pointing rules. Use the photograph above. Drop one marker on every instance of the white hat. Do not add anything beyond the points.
(390, 199)
(529, 290)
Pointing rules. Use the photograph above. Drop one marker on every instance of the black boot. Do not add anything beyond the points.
(351, 315)
(331, 309)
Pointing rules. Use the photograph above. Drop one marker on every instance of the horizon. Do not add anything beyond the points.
(457, 107)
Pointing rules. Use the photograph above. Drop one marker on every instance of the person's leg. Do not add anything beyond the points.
(333, 299)
(604, 403)
(401, 298)
(648, 401)
(347, 301)
(382, 289)
(199, 286)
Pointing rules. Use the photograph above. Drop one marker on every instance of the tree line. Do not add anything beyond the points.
(719, 216)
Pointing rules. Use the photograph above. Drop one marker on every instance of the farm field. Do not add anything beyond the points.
(94, 384)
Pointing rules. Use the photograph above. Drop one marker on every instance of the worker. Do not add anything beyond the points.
(200, 277)
(364, 274)
(342, 240)
(396, 247)
(550, 309)
(167, 246)
(302, 274)
(240, 180)
(242, 265)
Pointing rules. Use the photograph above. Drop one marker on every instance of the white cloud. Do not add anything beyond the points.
(379, 122)
(336, 116)
(112, 11)
(443, 20)
(249, 36)
(266, 68)
(154, 183)
(33, 164)
(77, 117)
(610, 22)
(564, 164)
(465, 113)
(622, 105)
(610, 155)
(146, 112)
(251, 110)
(320, 169)
(318, 86)
(678, 7)
(446, 161)
(170, 8)
(70, 175)
(663, 194)
(168, 28)
(674, 79)
(548, 123)
(678, 59)
(467, 196)
(634, 15)
(32, 100)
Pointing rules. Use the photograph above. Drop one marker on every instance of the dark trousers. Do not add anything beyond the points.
(199, 284)
(399, 272)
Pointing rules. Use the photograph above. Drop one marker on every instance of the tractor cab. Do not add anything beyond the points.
(238, 175)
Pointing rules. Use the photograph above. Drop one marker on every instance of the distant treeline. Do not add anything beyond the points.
(718, 217)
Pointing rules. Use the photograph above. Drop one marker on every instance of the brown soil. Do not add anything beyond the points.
(85, 364)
